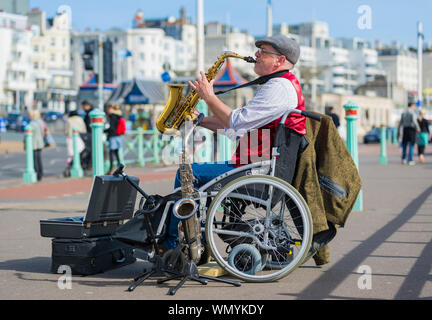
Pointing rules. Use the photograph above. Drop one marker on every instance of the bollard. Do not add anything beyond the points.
(97, 124)
(351, 116)
(388, 135)
(383, 140)
(29, 174)
(155, 146)
(394, 135)
(76, 170)
(140, 147)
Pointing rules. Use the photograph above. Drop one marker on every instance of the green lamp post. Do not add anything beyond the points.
(29, 174)
(351, 117)
(383, 141)
(97, 124)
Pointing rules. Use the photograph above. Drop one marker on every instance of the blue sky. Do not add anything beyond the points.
(392, 20)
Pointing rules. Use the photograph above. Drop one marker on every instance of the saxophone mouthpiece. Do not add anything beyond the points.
(249, 59)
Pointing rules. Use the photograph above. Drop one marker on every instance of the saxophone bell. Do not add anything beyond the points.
(189, 229)
(184, 208)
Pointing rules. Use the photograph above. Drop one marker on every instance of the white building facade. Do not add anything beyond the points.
(52, 61)
(16, 66)
(150, 53)
(400, 65)
(219, 39)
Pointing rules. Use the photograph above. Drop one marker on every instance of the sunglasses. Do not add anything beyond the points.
(262, 51)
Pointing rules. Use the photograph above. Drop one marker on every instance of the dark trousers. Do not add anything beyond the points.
(408, 141)
(113, 154)
(86, 154)
(203, 173)
(37, 159)
(421, 149)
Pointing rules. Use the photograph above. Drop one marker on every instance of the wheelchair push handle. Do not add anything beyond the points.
(303, 113)
(311, 115)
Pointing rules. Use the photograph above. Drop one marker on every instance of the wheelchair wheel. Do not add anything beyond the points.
(270, 217)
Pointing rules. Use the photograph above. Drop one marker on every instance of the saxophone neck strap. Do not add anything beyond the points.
(258, 81)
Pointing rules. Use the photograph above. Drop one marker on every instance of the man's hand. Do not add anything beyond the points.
(203, 87)
(205, 91)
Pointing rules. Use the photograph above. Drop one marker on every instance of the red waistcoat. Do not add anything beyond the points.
(257, 144)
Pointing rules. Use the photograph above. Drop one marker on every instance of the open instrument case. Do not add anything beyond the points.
(85, 243)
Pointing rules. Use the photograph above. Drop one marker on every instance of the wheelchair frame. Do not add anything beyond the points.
(258, 172)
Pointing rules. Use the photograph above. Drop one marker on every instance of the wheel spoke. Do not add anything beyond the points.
(253, 238)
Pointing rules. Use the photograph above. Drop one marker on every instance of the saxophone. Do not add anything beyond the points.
(185, 209)
(178, 110)
(178, 107)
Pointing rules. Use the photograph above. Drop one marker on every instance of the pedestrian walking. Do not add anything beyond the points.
(74, 120)
(409, 127)
(116, 128)
(335, 117)
(38, 129)
(87, 137)
(424, 136)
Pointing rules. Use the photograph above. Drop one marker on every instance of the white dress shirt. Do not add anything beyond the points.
(271, 102)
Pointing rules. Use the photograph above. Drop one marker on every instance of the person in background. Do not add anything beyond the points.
(409, 127)
(74, 121)
(38, 128)
(115, 141)
(424, 136)
(87, 137)
(87, 108)
(335, 117)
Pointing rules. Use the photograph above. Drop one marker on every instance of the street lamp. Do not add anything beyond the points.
(200, 36)
(420, 64)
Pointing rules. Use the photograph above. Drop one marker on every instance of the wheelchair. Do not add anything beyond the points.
(257, 226)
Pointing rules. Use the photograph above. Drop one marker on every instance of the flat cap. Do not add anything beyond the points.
(284, 45)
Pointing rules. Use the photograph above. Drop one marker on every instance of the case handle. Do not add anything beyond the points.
(122, 257)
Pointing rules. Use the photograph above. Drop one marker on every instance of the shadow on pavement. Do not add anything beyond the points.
(413, 283)
(34, 265)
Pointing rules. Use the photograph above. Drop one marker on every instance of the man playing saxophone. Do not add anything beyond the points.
(263, 113)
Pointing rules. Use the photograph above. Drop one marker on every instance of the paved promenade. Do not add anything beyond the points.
(384, 252)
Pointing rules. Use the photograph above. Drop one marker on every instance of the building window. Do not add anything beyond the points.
(142, 56)
(53, 42)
